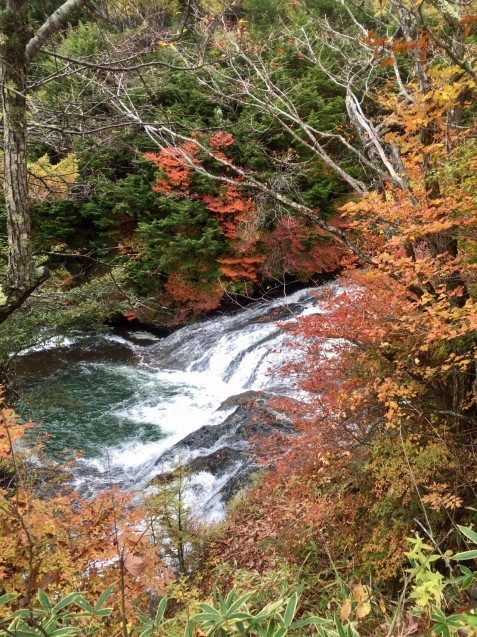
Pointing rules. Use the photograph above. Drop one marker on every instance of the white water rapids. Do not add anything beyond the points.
(172, 387)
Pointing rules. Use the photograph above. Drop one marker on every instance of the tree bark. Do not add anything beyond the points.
(15, 34)
(17, 48)
(53, 25)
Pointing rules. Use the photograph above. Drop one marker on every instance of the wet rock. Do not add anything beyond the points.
(246, 397)
(217, 462)
(223, 450)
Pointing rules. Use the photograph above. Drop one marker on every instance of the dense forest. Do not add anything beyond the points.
(165, 160)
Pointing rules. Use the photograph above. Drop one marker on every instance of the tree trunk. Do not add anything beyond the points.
(17, 48)
(15, 35)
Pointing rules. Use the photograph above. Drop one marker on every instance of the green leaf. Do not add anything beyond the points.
(49, 624)
(209, 609)
(260, 631)
(4, 599)
(291, 609)
(340, 629)
(147, 632)
(103, 597)
(469, 533)
(456, 580)
(223, 608)
(69, 599)
(243, 599)
(438, 615)
(466, 555)
(455, 620)
(307, 621)
(441, 629)
(241, 615)
(21, 612)
(207, 617)
(467, 582)
(82, 603)
(190, 628)
(470, 621)
(65, 632)
(269, 609)
(75, 615)
(216, 626)
(161, 609)
(230, 598)
(43, 599)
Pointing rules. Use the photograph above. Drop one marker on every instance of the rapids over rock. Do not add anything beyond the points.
(137, 405)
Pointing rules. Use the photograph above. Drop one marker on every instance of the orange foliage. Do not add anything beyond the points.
(388, 363)
(175, 163)
(293, 247)
(59, 542)
(230, 208)
(234, 212)
(192, 296)
(10, 430)
(240, 268)
(297, 248)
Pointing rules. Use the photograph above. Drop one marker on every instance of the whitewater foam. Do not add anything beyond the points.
(178, 384)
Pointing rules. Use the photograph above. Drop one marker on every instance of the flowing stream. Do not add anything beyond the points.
(125, 399)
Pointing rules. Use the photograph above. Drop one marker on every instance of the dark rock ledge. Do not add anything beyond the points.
(224, 449)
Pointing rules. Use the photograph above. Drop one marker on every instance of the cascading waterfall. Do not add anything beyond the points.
(126, 401)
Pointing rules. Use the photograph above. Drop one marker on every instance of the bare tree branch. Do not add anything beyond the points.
(52, 25)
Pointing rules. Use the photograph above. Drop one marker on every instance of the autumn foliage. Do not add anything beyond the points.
(47, 180)
(384, 427)
(54, 540)
(388, 363)
(250, 250)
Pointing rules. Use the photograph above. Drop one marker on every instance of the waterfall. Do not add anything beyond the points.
(128, 409)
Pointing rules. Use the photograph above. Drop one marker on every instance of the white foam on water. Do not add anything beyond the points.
(132, 463)
(203, 496)
(309, 311)
(75, 339)
(54, 342)
(203, 364)
(142, 335)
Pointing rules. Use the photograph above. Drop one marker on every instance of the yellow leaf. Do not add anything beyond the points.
(360, 593)
(345, 610)
(362, 610)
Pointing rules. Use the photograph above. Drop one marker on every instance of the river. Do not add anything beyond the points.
(125, 398)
